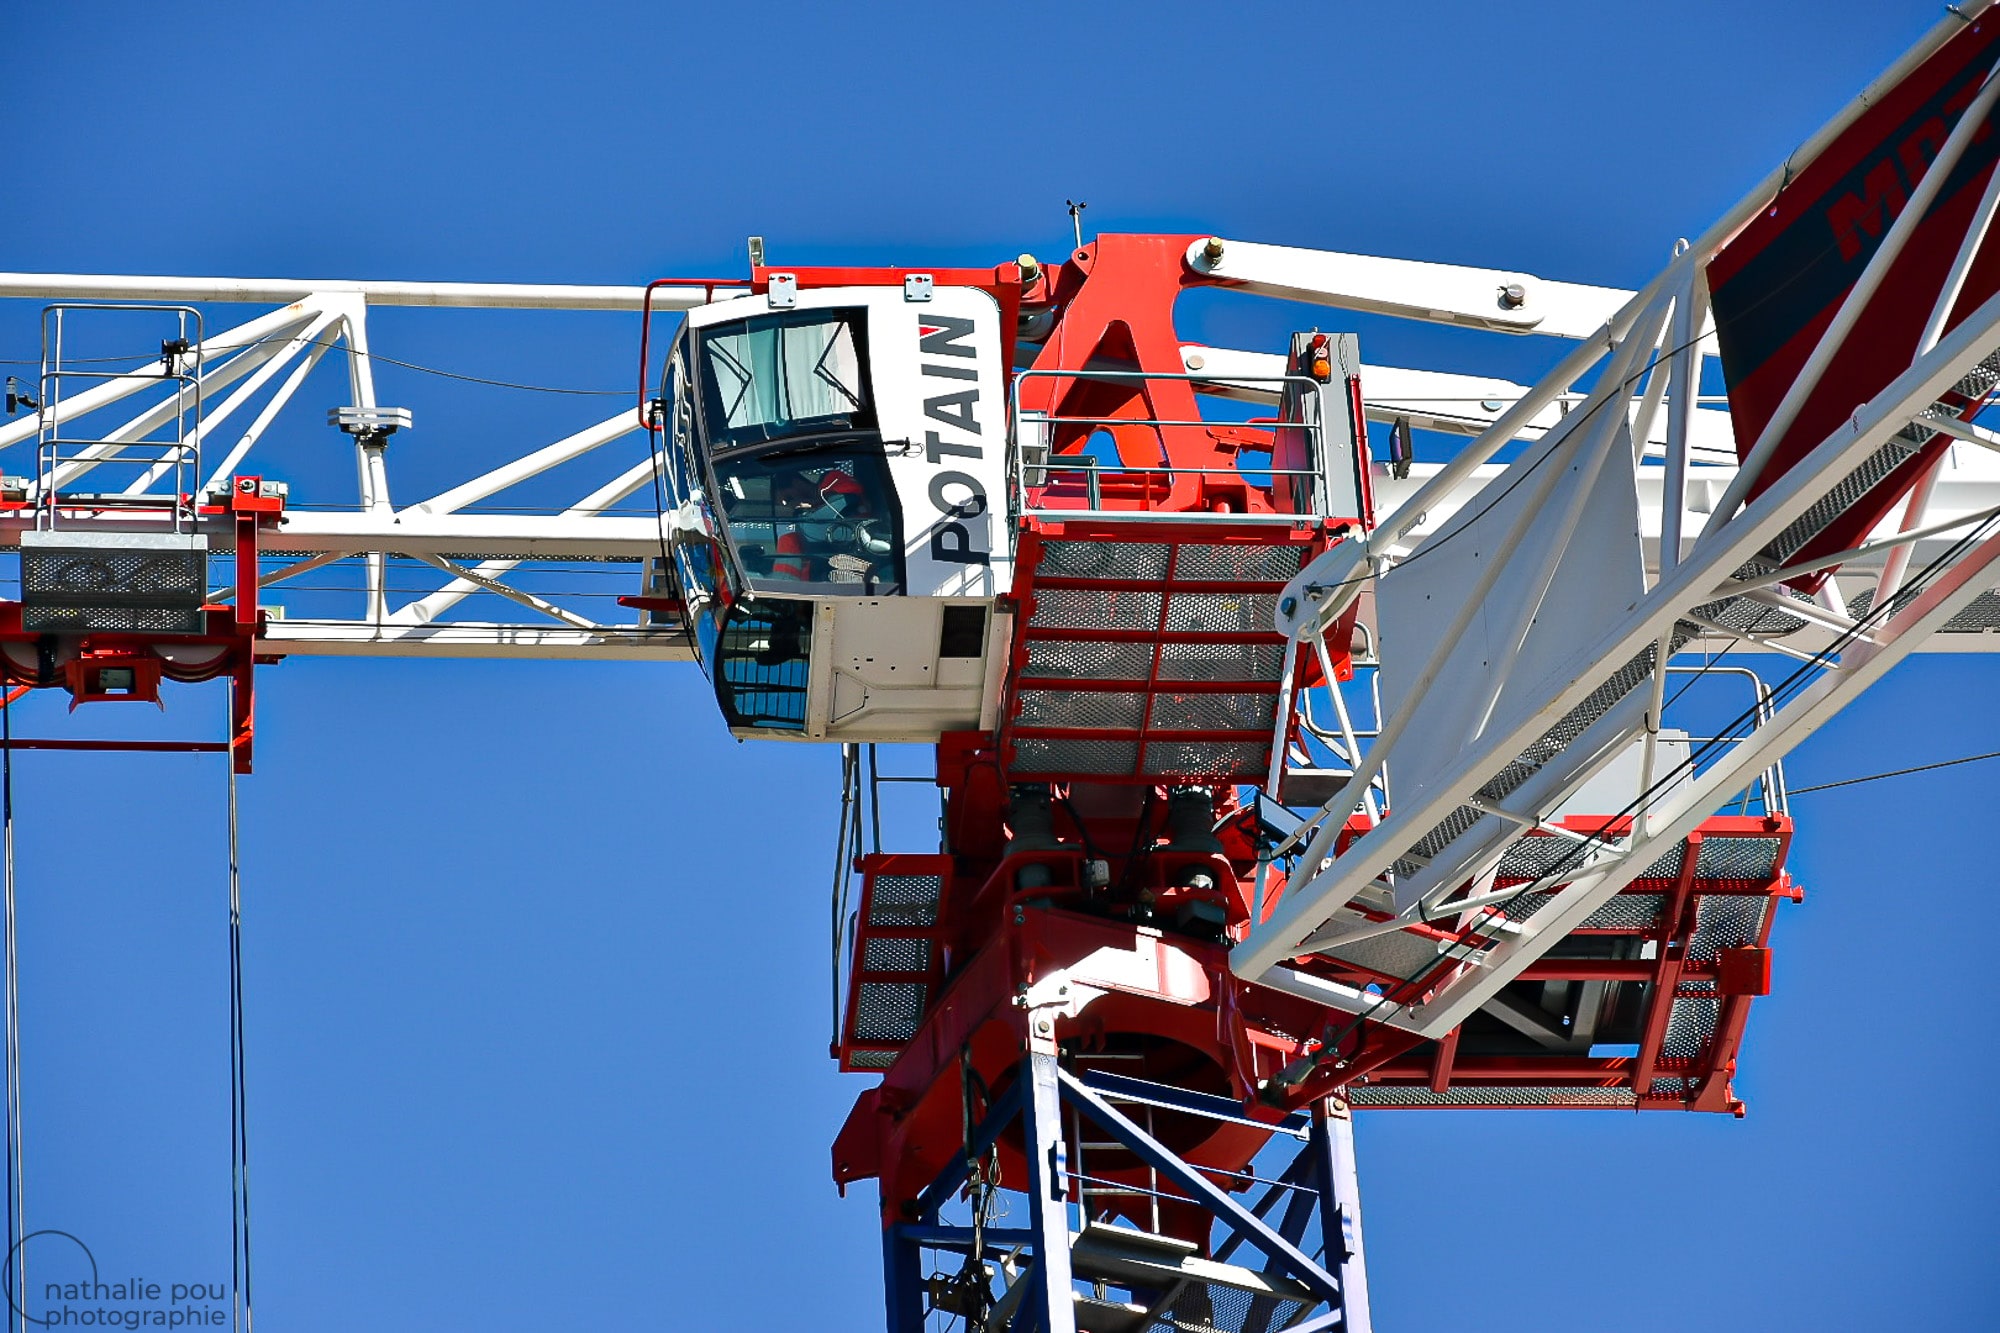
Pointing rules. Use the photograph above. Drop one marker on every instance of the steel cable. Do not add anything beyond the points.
(17, 1256)
(239, 1136)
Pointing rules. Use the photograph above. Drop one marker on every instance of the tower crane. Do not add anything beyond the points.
(1281, 774)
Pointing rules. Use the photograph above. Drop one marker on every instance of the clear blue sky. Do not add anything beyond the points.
(536, 954)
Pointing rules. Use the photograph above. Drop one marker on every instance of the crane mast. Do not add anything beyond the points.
(1281, 774)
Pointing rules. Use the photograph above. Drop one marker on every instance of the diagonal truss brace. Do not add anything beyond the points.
(1702, 579)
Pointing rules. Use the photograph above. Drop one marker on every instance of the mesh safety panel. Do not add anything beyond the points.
(1137, 561)
(1397, 954)
(1690, 1023)
(1440, 836)
(1071, 659)
(1979, 381)
(1221, 612)
(1531, 858)
(1668, 866)
(1750, 616)
(1169, 637)
(1222, 661)
(1214, 712)
(1223, 1309)
(1627, 911)
(113, 572)
(1206, 759)
(1851, 488)
(113, 589)
(1238, 564)
(1551, 742)
(895, 955)
(888, 1010)
(1737, 858)
(871, 1059)
(904, 900)
(1040, 754)
(1111, 710)
(1983, 614)
(132, 619)
(1725, 921)
(1376, 1094)
(1095, 608)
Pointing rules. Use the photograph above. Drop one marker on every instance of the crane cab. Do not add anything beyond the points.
(836, 507)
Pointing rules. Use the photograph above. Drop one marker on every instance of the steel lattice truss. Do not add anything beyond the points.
(258, 405)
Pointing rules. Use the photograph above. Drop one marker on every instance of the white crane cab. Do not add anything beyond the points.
(836, 479)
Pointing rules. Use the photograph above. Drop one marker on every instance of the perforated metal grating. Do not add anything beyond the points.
(1221, 612)
(1551, 742)
(1750, 616)
(895, 955)
(1726, 921)
(1207, 759)
(1199, 563)
(1533, 857)
(1375, 1094)
(1397, 954)
(1668, 866)
(1214, 712)
(1737, 858)
(1187, 624)
(133, 619)
(1627, 911)
(1690, 1023)
(1041, 754)
(1524, 905)
(1214, 1307)
(1222, 661)
(1982, 615)
(904, 900)
(1095, 608)
(871, 1059)
(139, 573)
(112, 588)
(1110, 710)
(1071, 659)
(888, 1010)
(1850, 489)
(1979, 381)
(1135, 561)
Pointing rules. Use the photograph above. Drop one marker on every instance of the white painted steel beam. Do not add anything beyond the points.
(1501, 300)
(453, 295)
(346, 638)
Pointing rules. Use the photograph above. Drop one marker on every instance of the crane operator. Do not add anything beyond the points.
(829, 530)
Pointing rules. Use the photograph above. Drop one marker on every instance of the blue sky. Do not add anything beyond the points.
(536, 954)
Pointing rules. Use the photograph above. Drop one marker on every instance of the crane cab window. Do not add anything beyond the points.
(778, 377)
(759, 658)
(808, 517)
(788, 433)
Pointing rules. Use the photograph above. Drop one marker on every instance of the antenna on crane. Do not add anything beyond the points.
(1076, 207)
